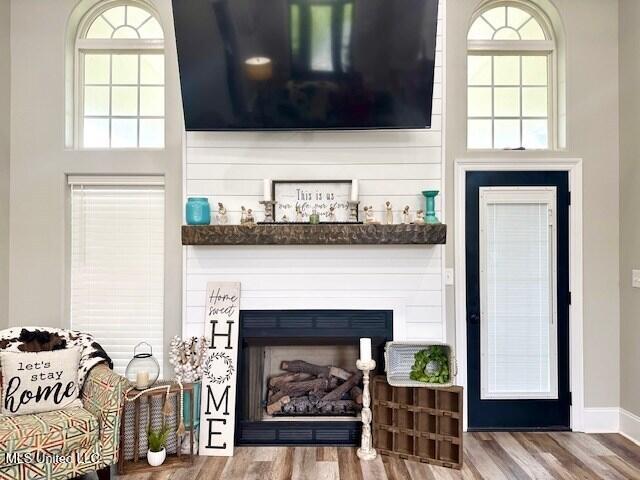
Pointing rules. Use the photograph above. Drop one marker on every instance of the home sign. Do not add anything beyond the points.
(218, 400)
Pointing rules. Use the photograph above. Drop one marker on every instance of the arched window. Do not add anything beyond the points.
(510, 66)
(120, 94)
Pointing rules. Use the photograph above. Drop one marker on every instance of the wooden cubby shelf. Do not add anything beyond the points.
(422, 424)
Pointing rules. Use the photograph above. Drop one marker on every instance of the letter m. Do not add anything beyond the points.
(217, 404)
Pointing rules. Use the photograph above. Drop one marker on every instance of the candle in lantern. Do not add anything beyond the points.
(365, 349)
(259, 68)
(142, 379)
(267, 190)
(354, 190)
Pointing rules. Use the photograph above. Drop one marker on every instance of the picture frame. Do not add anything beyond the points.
(310, 195)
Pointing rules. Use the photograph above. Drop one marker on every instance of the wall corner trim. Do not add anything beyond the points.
(630, 426)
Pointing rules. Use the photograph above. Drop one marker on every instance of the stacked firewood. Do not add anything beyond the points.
(308, 389)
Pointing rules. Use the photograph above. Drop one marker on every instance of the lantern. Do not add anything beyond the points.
(143, 369)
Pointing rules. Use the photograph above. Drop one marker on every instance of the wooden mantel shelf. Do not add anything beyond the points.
(302, 234)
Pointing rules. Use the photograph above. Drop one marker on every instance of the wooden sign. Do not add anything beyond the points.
(218, 402)
(298, 199)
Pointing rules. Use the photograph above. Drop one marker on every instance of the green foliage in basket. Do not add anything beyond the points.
(431, 365)
(158, 439)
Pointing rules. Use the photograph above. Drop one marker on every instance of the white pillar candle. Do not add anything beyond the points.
(354, 190)
(267, 190)
(142, 379)
(365, 349)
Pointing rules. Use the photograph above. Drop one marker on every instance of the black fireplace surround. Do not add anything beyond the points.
(304, 327)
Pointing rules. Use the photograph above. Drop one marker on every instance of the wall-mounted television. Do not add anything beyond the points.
(306, 64)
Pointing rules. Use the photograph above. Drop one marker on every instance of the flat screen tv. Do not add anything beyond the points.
(306, 64)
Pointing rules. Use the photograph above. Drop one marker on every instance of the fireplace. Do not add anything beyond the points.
(300, 341)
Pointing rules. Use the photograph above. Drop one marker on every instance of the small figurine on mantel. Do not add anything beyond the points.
(369, 216)
(243, 215)
(298, 214)
(389, 213)
(284, 218)
(221, 216)
(406, 216)
(332, 214)
(250, 220)
(419, 217)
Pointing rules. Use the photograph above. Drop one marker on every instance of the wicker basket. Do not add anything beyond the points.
(399, 358)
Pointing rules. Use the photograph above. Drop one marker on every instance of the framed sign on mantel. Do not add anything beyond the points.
(296, 200)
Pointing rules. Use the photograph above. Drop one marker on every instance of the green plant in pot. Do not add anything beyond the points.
(431, 365)
(157, 440)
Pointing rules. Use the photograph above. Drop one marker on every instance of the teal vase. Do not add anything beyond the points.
(186, 408)
(430, 212)
(198, 211)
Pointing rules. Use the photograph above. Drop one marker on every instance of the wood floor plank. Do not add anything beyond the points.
(572, 443)
(622, 467)
(505, 462)
(374, 469)
(236, 466)
(192, 472)
(395, 468)
(521, 456)
(264, 454)
(555, 467)
(327, 471)
(258, 470)
(420, 471)
(349, 464)
(542, 457)
(573, 464)
(326, 454)
(481, 459)
(487, 456)
(304, 463)
(212, 468)
(621, 446)
(282, 466)
(470, 472)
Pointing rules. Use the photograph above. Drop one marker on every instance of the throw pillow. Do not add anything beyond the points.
(39, 382)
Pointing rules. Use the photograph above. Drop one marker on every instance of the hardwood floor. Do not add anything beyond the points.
(490, 456)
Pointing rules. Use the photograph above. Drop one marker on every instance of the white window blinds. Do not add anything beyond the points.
(517, 281)
(117, 263)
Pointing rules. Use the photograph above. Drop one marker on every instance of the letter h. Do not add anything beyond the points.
(214, 334)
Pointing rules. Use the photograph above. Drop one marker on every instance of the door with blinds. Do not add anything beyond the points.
(517, 251)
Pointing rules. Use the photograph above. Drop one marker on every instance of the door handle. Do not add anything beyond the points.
(474, 319)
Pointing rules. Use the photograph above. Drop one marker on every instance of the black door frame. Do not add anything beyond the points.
(494, 414)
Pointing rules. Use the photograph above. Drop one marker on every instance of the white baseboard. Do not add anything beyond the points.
(602, 420)
(630, 425)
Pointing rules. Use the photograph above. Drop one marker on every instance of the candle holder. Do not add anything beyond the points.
(353, 211)
(269, 208)
(366, 450)
(430, 215)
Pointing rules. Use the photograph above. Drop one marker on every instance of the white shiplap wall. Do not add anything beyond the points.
(394, 165)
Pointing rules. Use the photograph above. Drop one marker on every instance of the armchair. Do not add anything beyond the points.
(67, 443)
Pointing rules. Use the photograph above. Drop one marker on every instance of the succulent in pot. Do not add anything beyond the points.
(157, 446)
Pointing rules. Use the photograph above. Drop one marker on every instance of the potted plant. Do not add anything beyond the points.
(157, 442)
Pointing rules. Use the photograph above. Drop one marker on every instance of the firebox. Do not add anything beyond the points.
(297, 377)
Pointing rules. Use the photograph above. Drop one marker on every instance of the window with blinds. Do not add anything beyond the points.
(518, 299)
(117, 263)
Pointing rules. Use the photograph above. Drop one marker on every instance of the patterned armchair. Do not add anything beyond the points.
(66, 443)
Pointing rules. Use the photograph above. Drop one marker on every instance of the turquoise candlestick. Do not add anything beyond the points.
(430, 215)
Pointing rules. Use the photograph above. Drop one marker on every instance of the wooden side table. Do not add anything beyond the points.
(138, 465)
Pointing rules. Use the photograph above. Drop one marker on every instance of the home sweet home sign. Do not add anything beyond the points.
(220, 369)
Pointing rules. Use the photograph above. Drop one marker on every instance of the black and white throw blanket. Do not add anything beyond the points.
(40, 339)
